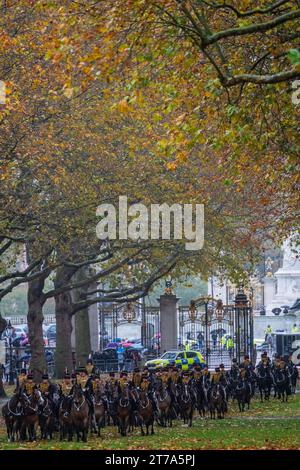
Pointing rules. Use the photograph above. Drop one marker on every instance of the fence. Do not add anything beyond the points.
(21, 358)
(22, 319)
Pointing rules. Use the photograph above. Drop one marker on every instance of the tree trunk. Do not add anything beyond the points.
(82, 337)
(3, 324)
(35, 328)
(2, 391)
(82, 324)
(63, 314)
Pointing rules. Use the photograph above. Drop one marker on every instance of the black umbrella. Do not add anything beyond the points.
(285, 308)
(219, 331)
(276, 311)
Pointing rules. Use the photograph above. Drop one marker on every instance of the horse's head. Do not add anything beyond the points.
(37, 397)
(216, 391)
(77, 393)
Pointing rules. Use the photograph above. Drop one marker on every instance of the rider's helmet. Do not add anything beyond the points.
(222, 366)
(45, 376)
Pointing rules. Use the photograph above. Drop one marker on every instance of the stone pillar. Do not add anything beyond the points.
(168, 322)
(73, 333)
(269, 290)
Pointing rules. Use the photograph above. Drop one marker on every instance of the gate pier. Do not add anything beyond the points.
(168, 322)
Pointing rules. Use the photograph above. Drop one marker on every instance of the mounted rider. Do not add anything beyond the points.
(111, 380)
(67, 391)
(265, 360)
(206, 373)
(86, 385)
(67, 383)
(90, 368)
(21, 379)
(29, 385)
(223, 375)
(45, 384)
(276, 361)
(95, 380)
(123, 380)
(234, 369)
(136, 377)
(197, 373)
(217, 380)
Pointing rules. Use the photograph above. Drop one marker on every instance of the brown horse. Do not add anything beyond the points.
(164, 405)
(11, 413)
(80, 416)
(124, 410)
(31, 406)
(185, 400)
(100, 406)
(145, 410)
(47, 419)
(64, 418)
(216, 402)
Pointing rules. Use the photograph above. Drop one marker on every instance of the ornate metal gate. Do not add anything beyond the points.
(220, 332)
(146, 318)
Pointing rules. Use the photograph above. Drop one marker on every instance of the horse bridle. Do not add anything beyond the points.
(49, 409)
(126, 402)
(164, 397)
(81, 404)
(145, 406)
(12, 412)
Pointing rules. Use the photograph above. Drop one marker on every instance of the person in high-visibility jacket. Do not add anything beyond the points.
(229, 345)
(268, 331)
(295, 328)
(223, 342)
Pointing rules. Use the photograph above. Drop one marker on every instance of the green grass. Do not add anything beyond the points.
(269, 425)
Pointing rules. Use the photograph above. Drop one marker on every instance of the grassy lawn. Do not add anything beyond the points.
(272, 425)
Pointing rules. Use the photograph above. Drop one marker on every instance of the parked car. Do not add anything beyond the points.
(183, 359)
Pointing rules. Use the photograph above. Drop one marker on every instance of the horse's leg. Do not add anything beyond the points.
(13, 430)
(191, 418)
(30, 432)
(8, 428)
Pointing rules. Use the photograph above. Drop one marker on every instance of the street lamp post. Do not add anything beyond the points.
(9, 329)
